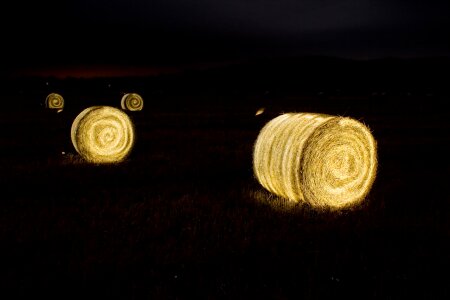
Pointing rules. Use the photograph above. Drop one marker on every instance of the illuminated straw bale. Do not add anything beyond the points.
(260, 111)
(102, 134)
(324, 160)
(54, 101)
(132, 102)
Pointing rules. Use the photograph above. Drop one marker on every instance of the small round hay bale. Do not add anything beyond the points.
(54, 101)
(326, 161)
(102, 134)
(132, 102)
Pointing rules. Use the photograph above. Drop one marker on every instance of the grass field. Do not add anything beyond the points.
(184, 217)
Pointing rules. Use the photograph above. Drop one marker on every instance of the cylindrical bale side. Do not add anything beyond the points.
(324, 160)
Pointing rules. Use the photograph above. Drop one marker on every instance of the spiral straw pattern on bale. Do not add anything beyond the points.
(102, 134)
(324, 160)
(132, 102)
(54, 101)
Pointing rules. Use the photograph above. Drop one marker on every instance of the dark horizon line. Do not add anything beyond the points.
(71, 70)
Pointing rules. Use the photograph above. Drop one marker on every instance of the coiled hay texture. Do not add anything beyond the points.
(132, 102)
(324, 160)
(54, 101)
(102, 134)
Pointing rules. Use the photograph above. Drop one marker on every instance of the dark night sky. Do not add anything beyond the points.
(171, 32)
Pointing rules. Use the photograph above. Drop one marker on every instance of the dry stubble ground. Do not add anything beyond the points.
(183, 216)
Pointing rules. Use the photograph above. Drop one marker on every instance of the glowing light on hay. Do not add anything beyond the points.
(132, 102)
(260, 111)
(324, 160)
(54, 101)
(102, 134)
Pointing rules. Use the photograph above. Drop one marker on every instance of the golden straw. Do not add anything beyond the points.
(132, 102)
(54, 101)
(102, 134)
(324, 160)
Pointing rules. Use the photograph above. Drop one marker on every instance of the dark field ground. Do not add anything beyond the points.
(183, 216)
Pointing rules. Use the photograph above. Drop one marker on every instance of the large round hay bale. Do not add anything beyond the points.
(324, 160)
(54, 101)
(102, 134)
(132, 102)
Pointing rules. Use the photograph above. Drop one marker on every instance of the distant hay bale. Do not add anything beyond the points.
(54, 101)
(102, 134)
(132, 102)
(260, 111)
(327, 161)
